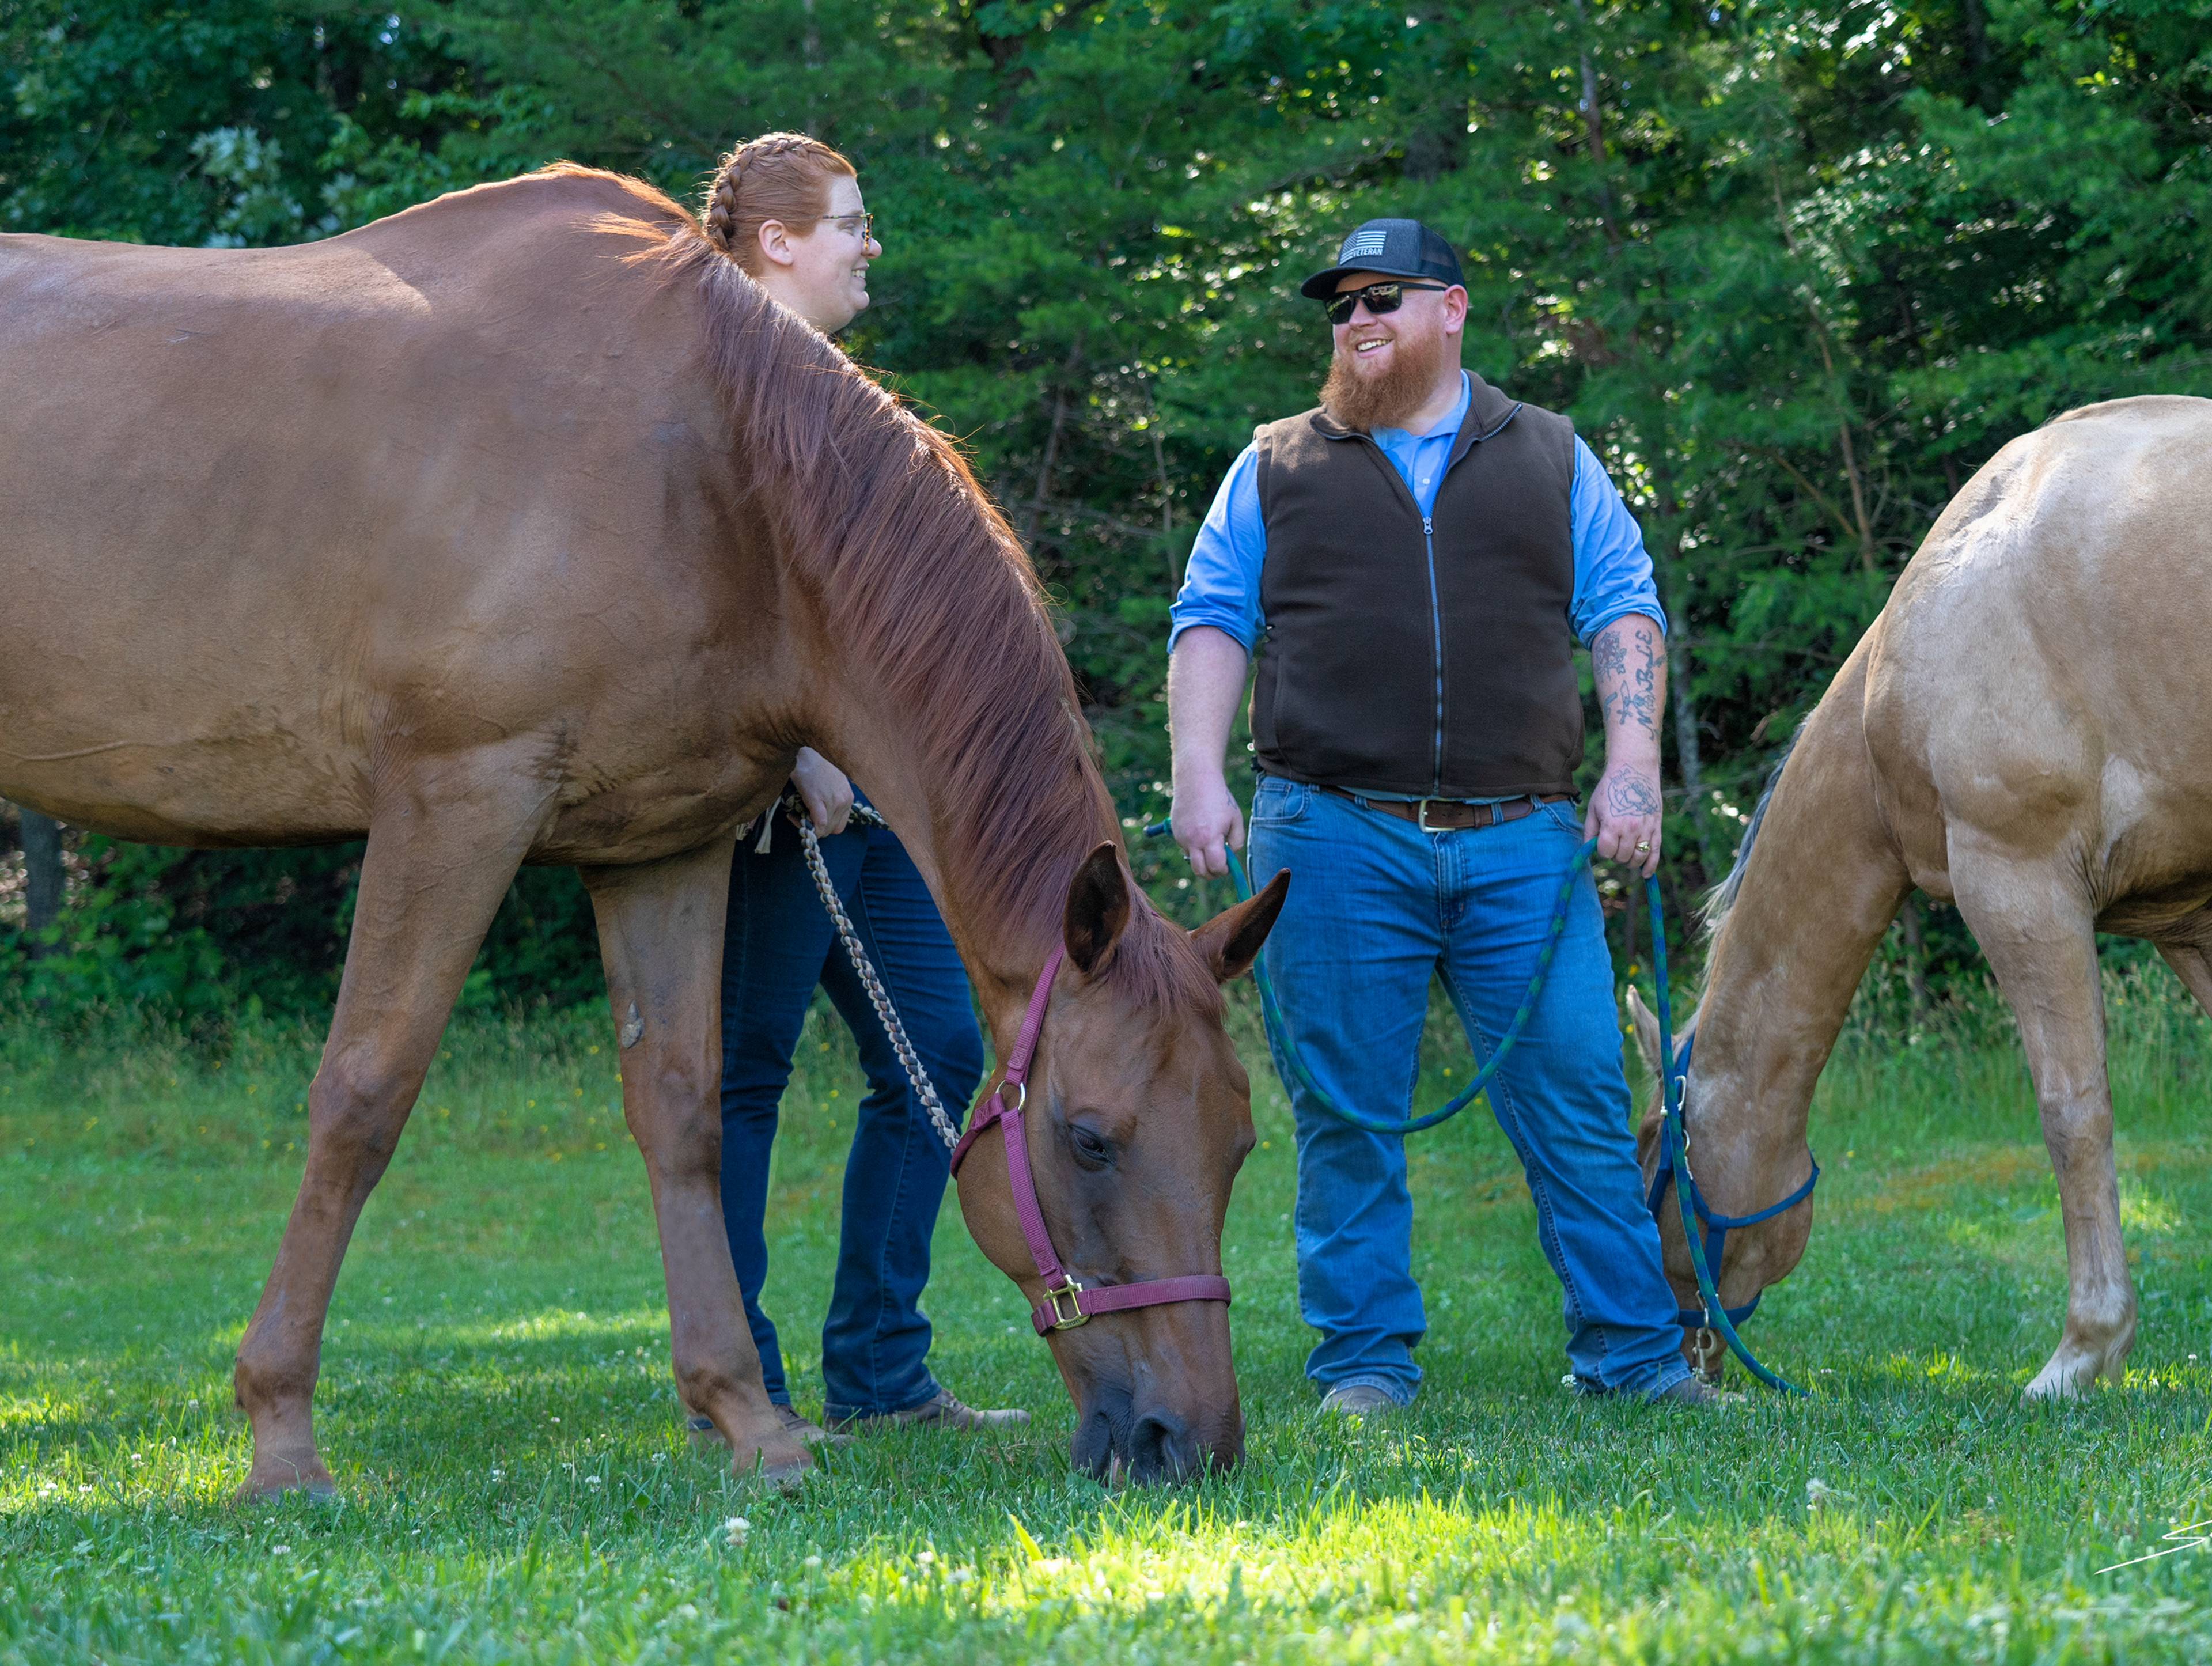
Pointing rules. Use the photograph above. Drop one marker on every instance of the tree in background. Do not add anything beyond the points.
(1797, 269)
(42, 876)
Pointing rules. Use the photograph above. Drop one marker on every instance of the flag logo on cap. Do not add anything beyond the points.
(1365, 242)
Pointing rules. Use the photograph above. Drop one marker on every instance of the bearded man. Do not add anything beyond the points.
(1413, 561)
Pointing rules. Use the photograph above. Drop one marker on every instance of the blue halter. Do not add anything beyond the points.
(1718, 1227)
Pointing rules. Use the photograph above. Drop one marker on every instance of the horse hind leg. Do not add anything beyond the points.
(661, 936)
(442, 850)
(2040, 938)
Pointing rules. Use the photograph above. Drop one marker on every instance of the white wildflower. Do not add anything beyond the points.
(736, 1529)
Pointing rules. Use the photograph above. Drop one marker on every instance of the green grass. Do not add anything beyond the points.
(496, 1403)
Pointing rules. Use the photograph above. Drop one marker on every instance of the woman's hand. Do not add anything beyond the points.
(822, 788)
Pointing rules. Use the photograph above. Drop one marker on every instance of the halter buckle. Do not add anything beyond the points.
(1021, 1096)
(1074, 1316)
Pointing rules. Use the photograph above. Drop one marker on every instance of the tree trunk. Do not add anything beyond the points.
(1978, 55)
(1916, 958)
(1687, 753)
(42, 862)
(1436, 142)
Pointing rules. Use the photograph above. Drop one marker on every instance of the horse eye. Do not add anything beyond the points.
(1089, 1149)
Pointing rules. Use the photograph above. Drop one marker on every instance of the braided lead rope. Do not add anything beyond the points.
(877, 996)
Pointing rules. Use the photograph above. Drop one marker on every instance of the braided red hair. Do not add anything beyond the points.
(777, 176)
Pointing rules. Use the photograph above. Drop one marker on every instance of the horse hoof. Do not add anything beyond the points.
(2070, 1381)
(782, 1466)
(315, 1488)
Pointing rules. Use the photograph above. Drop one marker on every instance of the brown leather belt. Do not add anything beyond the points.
(1449, 815)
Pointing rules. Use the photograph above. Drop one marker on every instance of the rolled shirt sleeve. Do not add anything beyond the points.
(1613, 570)
(1221, 581)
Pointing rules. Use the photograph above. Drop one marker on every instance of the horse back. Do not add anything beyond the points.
(275, 514)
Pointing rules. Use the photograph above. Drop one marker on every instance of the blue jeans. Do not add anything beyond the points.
(1378, 907)
(875, 1342)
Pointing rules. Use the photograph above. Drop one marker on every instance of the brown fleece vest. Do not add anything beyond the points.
(1435, 659)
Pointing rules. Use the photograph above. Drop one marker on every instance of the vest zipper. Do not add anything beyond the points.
(1437, 645)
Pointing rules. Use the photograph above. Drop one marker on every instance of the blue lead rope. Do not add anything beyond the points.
(1674, 1158)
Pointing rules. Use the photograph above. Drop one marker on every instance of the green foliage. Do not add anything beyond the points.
(208, 939)
(1796, 269)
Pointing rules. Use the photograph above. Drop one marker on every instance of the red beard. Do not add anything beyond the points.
(1365, 403)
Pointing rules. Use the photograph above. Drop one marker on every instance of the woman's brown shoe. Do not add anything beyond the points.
(942, 1410)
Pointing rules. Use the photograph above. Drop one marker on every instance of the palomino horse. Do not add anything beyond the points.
(2019, 733)
(523, 527)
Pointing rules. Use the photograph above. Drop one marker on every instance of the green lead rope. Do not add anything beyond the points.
(1674, 1090)
(1280, 1032)
(1671, 1122)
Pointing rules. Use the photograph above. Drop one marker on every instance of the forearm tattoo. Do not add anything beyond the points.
(1626, 659)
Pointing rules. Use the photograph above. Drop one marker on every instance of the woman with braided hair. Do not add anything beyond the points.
(787, 209)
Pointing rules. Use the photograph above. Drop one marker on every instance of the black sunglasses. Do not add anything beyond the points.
(1381, 298)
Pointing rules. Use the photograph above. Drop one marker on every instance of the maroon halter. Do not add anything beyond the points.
(1067, 1303)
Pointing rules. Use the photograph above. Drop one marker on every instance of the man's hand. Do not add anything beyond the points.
(1205, 819)
(1630, 660)
(1205, 680)
(822, 788)
(1624, 817)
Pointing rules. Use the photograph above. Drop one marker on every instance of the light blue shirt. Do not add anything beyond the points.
(1221, 584)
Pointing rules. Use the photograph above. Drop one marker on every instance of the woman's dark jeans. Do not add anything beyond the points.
(875, 1342)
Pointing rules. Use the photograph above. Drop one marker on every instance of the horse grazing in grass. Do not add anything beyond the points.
(523, 527)
(2020, 733)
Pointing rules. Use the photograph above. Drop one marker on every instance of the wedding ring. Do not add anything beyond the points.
(1643, 844)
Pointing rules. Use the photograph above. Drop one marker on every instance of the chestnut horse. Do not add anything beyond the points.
(2020, 733)
(523, 527)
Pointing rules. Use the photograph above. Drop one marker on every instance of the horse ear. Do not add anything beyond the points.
(1647, 1029)
(1647, 1032)
(1229, 942)
(1097, 909)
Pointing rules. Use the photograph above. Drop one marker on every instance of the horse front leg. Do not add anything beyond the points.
(444, 843)
(2193, 966)
(2040, 939)
(661, 936)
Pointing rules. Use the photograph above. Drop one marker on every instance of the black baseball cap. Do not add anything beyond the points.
(1394, 248)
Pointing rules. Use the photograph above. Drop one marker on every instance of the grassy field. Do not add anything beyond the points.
(497, 1405)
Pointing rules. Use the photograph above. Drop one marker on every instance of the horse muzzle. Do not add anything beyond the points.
(1117, 1438)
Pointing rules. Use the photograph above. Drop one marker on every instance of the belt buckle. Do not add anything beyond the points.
(1421, 816)
(1075, 1315)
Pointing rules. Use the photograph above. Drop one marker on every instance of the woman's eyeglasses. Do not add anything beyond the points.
(863, 224)
(1381, 298)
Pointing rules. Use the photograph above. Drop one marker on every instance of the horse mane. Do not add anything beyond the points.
(1722, 898)
(922, 579)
